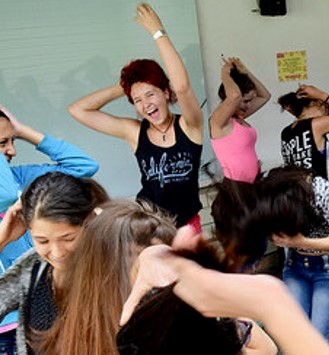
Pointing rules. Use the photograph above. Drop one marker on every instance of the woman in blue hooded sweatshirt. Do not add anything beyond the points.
(67, 159)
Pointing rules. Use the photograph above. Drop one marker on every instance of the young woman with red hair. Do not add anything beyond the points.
(167, 146)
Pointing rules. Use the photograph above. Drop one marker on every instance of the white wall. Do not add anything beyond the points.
(230, 27)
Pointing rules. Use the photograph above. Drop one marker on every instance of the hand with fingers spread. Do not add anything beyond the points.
(12, 226)
(148, 18)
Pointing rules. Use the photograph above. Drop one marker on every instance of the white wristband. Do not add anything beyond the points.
(159, 33)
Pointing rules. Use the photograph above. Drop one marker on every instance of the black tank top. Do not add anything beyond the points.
(170, 175)
(298, 147)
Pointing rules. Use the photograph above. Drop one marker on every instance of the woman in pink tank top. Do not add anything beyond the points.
(232, 138)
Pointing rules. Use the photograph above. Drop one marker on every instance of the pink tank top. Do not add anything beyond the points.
(236, 153)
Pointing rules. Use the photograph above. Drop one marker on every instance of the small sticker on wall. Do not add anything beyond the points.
(292, 66)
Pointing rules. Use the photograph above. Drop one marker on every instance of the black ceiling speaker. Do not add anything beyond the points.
(272, 7)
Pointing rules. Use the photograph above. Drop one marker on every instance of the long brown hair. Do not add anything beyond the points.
(99, 278)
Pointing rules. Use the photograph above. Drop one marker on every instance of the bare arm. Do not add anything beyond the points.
(220, 119)
(212, 293)
(258, 297)
(311, 92)
(87, 110)
(220, 124)
(262, 94)
(191, 112)
(320, 127)
(300, 241)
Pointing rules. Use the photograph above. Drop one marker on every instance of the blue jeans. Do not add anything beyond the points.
(307, 278)
(8, 343)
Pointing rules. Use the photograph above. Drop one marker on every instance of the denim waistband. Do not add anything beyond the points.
(293, 255)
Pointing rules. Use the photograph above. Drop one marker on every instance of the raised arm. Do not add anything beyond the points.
(256, 296)
(262, 94)
(87, 110)
(191, 112)
(220, 119)
(320, 127)
(213, 294)
(312, 92)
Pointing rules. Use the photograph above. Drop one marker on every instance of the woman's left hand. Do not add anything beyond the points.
(148, 18)
(239, 65)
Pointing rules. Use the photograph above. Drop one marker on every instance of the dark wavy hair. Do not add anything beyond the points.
(236, 224)
(60, 197)
(145, 71)
(247, 215)
(285, 201)
(293, 103)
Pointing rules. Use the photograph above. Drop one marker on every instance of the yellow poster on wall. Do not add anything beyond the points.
(292, 65)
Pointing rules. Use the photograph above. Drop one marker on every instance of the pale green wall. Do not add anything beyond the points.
(54, 51)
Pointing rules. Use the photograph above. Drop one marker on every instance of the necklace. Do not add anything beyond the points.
(166, 129)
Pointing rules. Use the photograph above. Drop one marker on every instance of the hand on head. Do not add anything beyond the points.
(16, 124)
(310, 92)
(233, 62)
(156, 269)
(239, 65)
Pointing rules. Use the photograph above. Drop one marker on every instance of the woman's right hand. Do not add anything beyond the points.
(148, 18)
(154, 270)
(156, 267)
(12, 226)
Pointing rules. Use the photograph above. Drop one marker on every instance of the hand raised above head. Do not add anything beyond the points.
(148, 18)
(311, 92)
(239, 65)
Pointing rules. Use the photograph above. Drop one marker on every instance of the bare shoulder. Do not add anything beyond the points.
(220, 130)
(321, 124)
